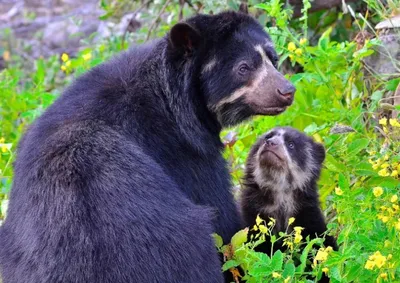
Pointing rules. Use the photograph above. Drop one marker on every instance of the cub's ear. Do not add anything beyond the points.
(319, 153)
(184, 37)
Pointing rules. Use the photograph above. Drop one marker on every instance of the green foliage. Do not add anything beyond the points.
(360, 180)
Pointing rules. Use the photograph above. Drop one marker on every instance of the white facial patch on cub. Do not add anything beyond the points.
(300, 175)
(284, 180)
(277, 181)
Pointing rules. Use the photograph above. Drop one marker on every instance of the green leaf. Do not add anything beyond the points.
(357, 145)
(289, 270)
(305, 252)
(332, 164)
(229, 264)
(392, 84)
(353, 271)
(277, 260)
(217, 240)
(335, 273)
(343, 182)
(324, 39)
(239, 238)
(377, 95)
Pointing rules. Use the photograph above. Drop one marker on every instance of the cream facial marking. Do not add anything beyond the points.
(209, 66)
(262, 73)
(300, 176)
(264, 57)
(278, 180)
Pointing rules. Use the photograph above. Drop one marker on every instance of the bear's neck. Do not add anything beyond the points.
(196, 123)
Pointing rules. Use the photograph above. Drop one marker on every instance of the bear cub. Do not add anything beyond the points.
(280, 181)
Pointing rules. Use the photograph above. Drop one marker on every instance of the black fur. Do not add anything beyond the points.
(122, 178)
(307, 156)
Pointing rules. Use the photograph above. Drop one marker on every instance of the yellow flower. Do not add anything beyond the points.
(297, 238)
(291, 46)
(369, 265)
(4, 148)
(303, 40)
(87, 56)
(276, 275)
(271, 222)
(255, 228)
(385, 165)
(378, 191)
(394, 123)
(263, 229)
(383, 172)
(394, 198)
(259, 220)
(383, 121)
(325, 270)
(378, 259)
(389, 257)
(329, 249)
(383, 275)
(298, 52)
(64, 57)
(291, 220)
(287, 280)
(397, 225)
(288, 243)
(68, 63)
(338, 191)
(63, 68)
(298, 229)
(395, 173)
(385, 219)
(321, 255)
(2, 140)
(395, 207)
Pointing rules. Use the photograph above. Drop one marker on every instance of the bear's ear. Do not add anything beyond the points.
(184, 37)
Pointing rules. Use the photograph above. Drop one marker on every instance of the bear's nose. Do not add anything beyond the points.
(272, 142)
(287, 91)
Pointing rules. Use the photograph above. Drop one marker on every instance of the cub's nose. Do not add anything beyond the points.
(272, 142)
(287, 91)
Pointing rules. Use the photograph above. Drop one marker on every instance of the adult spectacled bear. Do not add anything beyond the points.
(122, 178)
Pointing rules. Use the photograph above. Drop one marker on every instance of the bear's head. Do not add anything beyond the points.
(234, 63)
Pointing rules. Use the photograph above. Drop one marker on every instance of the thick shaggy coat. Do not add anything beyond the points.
(282, 171)
(122, 178)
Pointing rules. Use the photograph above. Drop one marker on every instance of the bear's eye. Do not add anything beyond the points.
(291, 145)
(243, 69)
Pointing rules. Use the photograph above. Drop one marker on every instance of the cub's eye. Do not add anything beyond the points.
(291, 145)
(243, 69)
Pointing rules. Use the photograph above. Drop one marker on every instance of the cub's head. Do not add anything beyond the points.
(285, 156)
(234, 64)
